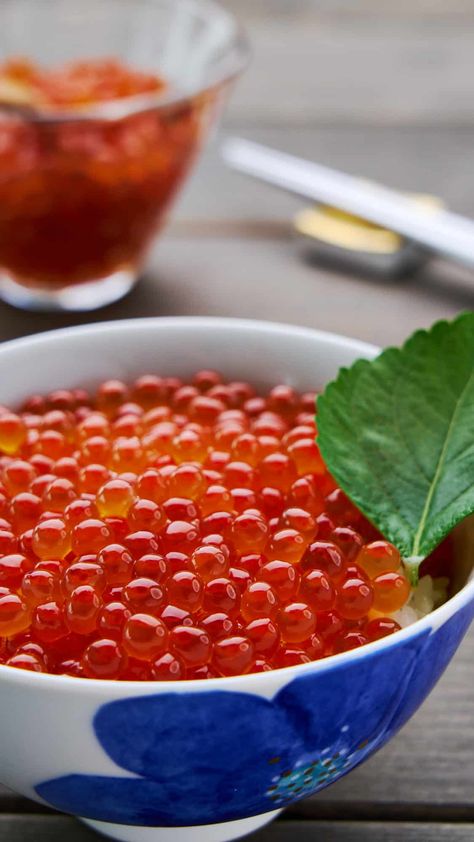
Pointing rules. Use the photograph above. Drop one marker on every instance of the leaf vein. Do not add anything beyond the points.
(439, 468)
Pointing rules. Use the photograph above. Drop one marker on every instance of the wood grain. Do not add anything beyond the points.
(57, 828)
(406, 9)
(378, 64)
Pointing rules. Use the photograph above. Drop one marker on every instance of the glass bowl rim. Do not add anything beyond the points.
(236, 59)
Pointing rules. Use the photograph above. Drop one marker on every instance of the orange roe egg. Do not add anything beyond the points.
(117, 563)
(151, 485)
(169, 531)
(112, 619)
(218, 625)
(24, 661)
(168, 668)
(300, 520)
(297, 622)
(264, 634)
(143, 595)
(146, 515)
(92, 477)
(391, 591)
(186, 590)
(381, 627)
(318, 589)
(221, 595)
(144, 637)
(209, 562)
(59, 494)
(38, 586)
(233, 655)
(115, 498)
(306, 457)
(249, 532)
(259, 600)
(18, 476)
(283, 578)
(287, 545)
(111, 395)
(103, 659)
(180, 535)
(14, 615)
(83, 573)
(192, 645)
(12, 569)
(51, 539)
(82, 609)
(90, 535)
(278, 471)
(48, 623)
(12, 433)
(354, 599)
(378, 557)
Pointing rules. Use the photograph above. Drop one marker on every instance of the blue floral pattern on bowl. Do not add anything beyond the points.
(217, 755)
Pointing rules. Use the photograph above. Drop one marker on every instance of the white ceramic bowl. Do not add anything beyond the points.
(209, 760)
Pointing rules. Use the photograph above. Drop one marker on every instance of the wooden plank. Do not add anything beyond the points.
(423, 9)
(363, 832)
(56, 829)
(312, 66)
(33, 828)
(267, 279)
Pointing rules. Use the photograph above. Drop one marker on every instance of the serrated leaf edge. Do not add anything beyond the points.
(411, 558)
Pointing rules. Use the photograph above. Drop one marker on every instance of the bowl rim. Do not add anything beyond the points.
(237, 58)
(432, 620)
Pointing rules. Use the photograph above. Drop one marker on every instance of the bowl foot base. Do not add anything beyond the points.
(223, 832)
(75, 298)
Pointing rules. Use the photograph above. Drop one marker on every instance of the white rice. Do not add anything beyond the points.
(428, 595)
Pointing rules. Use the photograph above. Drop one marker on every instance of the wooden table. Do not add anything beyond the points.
(386, 91)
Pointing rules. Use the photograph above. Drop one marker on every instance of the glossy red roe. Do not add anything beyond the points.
(318, 590)
(381, 627)
(168, 668)
(103, 658)
(264, 634)
(144, 637)
(82, 609)
(209, 561)
(354, 599)
(143, 595)
(192, 645)
(233, 655)
(186, 590)
(297, 622)
(167, 531)
(259, 600)
(283, 577)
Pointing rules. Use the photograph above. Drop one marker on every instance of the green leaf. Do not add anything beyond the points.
(397, 433)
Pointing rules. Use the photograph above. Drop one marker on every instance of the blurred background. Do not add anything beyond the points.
(379, 88)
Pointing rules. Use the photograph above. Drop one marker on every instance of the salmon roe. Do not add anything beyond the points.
(165, 531)
(84, 190)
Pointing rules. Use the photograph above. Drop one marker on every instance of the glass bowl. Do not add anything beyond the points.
(83, 192)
